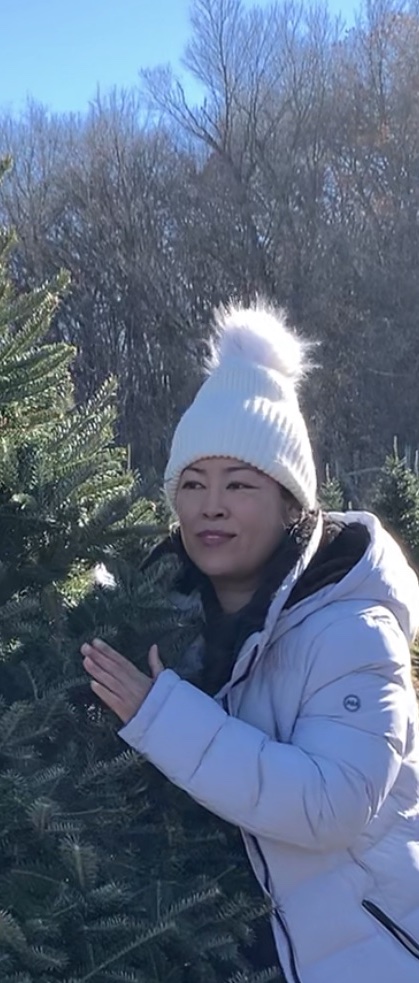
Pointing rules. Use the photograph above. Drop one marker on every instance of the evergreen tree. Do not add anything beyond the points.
(107, 872)
(331, 497)
(396, 502)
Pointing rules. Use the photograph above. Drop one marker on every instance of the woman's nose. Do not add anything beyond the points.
(218, 513)
(214, 506)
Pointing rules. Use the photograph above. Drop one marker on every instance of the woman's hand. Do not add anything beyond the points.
(116, 681)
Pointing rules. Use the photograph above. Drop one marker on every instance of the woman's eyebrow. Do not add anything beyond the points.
(229, 470)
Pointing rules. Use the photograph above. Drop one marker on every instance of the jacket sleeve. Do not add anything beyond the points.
(322, 789)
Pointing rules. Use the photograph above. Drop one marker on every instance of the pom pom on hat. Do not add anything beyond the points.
(247, 407)
(259, 335)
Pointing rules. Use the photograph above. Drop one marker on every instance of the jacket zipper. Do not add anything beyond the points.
(244, 675)
(278, 916)
(403, 937)
(291, 955)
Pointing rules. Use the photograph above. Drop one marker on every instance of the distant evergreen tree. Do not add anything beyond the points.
(396, 502)
(331, 496)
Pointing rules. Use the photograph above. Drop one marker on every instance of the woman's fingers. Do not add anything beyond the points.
(107, 679)
(102, 648)
(107, 650)
(103, 655)
(154, 661)
(116, 681)
(110, 699)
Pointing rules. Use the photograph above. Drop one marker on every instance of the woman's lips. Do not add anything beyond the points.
(215, 537)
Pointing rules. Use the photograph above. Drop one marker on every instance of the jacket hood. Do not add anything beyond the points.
(381, 576)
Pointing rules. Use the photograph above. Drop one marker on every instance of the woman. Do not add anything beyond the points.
(307, 735)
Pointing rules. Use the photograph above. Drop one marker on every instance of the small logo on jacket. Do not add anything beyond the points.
(352, 703)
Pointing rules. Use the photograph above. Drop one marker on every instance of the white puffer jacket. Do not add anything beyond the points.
(312, 750)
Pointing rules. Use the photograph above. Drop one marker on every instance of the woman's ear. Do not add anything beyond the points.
(293, 510)
(294, 515)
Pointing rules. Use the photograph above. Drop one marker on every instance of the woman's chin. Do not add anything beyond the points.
(215, 567)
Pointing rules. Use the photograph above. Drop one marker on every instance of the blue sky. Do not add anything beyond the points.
(59, 51)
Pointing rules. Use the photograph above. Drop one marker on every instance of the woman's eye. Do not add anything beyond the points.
(191, 484)
(237, 485)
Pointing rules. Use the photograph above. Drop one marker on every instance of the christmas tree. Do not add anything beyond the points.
(396, 502)
(331, 496)
(107, 872)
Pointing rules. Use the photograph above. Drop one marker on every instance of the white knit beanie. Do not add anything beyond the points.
(248, 408)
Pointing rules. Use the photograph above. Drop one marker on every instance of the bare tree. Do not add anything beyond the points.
(297, 176)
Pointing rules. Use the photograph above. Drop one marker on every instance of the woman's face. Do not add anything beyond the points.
(232, 517)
